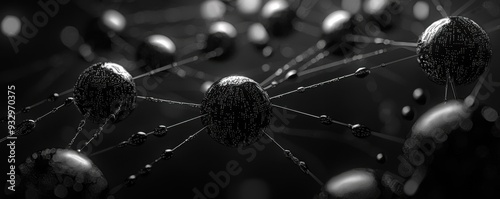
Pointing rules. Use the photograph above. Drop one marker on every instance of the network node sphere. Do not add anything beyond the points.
(103, 89)
(60, 173)
(454, 45)
(237, 111)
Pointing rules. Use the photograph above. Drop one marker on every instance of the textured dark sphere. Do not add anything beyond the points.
(103, 88)
(156, 51)
(237, 109)
(457, 45)
(60, 173)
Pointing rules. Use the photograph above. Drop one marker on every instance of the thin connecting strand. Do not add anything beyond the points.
(440, 8)
(378, 40)
(302, 165)
(95, 135)
(303, 71)
(461, 9)
(446, 90)
(152, 99)
(452, 86)
(79, 129)
(388, 137)
(493, 29)
(166, 155)
(296, 111)
(307, 29)
(303, 89)
(50, 112)
(124, 143)
(51, 98)
(191, 137)
(392, 62)
(479, 84)
(313, 116)
(320, 45)
(185, 121)
(192, 59)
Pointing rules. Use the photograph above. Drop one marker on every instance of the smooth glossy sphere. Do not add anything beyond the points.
(454, 45)
(221, 36)
(407, 113)
(419, 96)
(156, 51)
(257, 35)
(354, 184)
(60, 173)
(384, 13)
(99, 30)
(277, 17)
(381, 158)
(212, 10)
(335, 27)
(103, 89)
(442, 118)
(238, 110)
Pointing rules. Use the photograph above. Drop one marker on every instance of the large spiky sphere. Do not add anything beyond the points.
(103, 89)
(456, 46)
(237, 111)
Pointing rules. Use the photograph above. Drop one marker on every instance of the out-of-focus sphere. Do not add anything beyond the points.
(248, 7)
(223, 27)
(11, 25)
(114, 20)
(374, 7)
(237, 111)
(221, 36)
(440, 119)
(421, 10)
(70, 36)
(354, 184)
(212, 10)
(257, 34)
(336, 26)
(419, 96)
(103, 89)
(205, 86)
(156, 51)
(277, 17)
(60, 173)
(456, 45)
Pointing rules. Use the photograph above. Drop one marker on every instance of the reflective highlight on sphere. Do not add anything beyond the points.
(335, 27)
(354, 184)
(277, 17)
(220, 36)
(156, 51)
(114, 20)
(456, 46)
(212, 10)
(238, 110)
(104, 89)
(60, 173)
(442, 118)
(257, 34)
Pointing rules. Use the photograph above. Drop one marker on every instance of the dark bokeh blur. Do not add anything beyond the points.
(50, 59)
